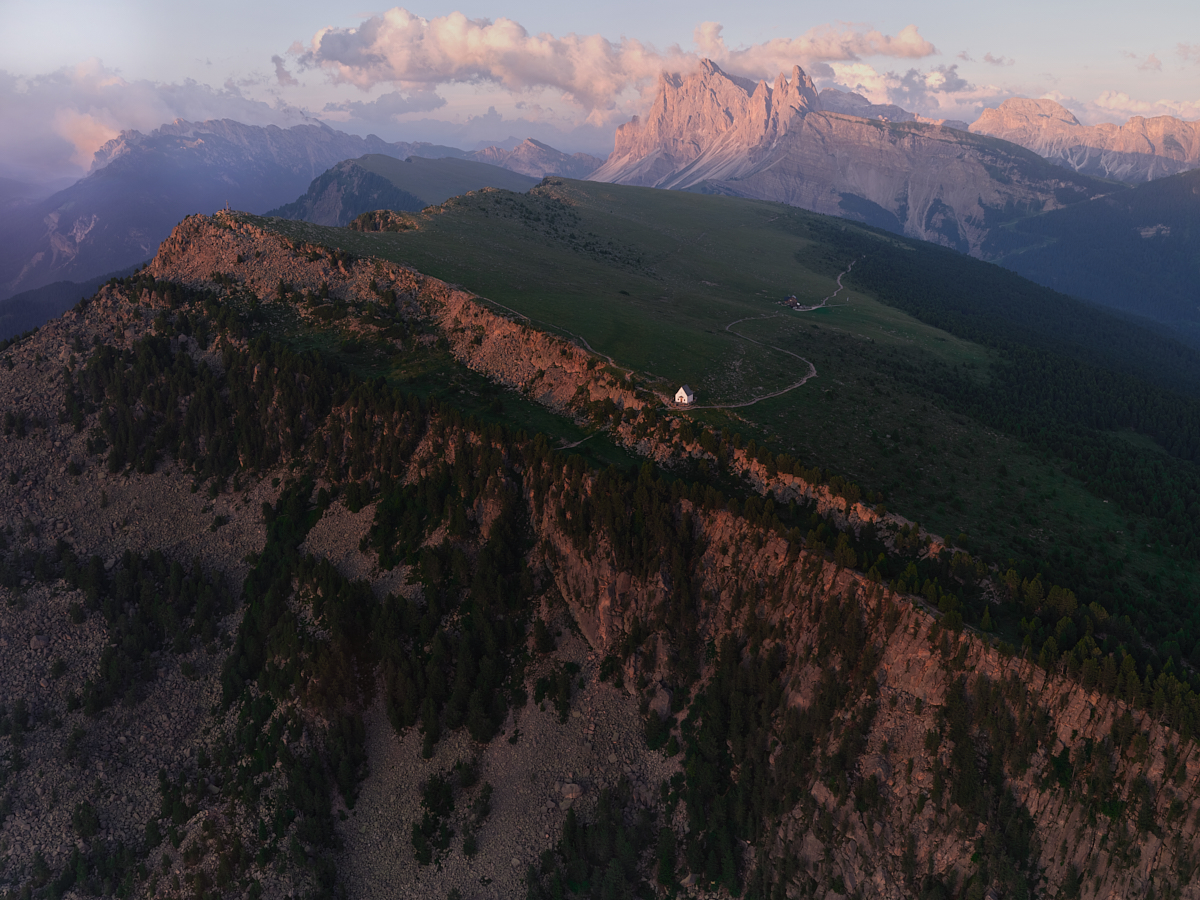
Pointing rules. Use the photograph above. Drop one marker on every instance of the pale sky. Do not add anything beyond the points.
(74, 74)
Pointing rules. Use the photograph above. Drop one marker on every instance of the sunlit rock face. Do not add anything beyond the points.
(714, 132)
(1140, 150)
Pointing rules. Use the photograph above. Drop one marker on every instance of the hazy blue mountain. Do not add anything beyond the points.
(1135, 249)
(29, 309)
(143, 184)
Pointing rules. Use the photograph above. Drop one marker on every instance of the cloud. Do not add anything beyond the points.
(997, 60)
(54, 123)
(282, 75)
(1188, 52)
(965, 56)
(1150, 63)
(397, 47)
(936, 93)
(1119, 105)
(820, 45)
(388, 105)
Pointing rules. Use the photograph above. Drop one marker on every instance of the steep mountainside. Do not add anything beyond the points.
(372, 182)
(276, 625)
(538, 160)
(1136, 250)
(1140, 150)
(141, 185)
(712, 132)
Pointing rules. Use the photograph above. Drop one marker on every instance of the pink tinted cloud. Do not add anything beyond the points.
(591, 71)
(1148, 63)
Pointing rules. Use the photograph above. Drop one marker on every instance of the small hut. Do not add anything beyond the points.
(684, 396)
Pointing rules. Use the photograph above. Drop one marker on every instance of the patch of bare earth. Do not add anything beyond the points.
(600, 743)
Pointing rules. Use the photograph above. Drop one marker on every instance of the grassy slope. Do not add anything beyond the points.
(653, 278)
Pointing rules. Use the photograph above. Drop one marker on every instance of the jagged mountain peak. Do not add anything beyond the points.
(694, 114)
(709, 131)
(1141, 149)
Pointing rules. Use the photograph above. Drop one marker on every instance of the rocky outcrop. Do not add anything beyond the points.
(1140, 150)
(538, 160)
(549, 369)
(717, 133)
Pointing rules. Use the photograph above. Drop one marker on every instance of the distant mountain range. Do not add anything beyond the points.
(1136, 249)
(142, 185)
(1140, 150)
(1013, 186)
(849, 103)
(1060, 216)
(538, 160)
(375, 181)
(718, 133)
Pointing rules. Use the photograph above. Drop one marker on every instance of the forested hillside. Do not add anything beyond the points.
(1133, 250)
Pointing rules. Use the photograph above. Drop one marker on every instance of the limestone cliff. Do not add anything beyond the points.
(1140, 150)
(713, 132)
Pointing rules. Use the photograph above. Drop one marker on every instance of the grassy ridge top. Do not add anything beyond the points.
(650, 278)
(965, 397)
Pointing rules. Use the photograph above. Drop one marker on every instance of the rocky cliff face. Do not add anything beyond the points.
(921, 674)
(1140, 150)
(713, 132)
(708, 115)
(1101, 797)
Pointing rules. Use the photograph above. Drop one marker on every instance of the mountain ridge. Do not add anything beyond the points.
(536, 159)
(710, 132)
(375, 181)
(1141, 149)
(787, 723)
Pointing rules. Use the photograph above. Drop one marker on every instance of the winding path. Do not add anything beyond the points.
(821, 305)
(668, 401)
(812, 370)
